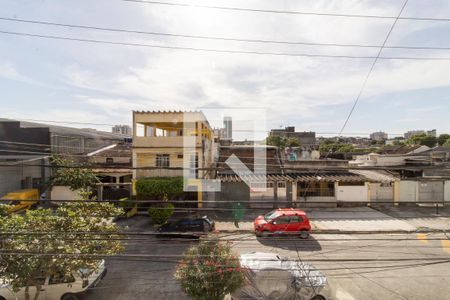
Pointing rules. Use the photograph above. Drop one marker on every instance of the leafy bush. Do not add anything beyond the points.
(126, 204)
(160, 214)
(209, 271)
(159, 188)
(67, 174)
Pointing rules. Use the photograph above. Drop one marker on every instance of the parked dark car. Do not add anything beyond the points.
(196, 226)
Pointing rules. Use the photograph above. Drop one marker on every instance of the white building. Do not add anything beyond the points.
(379, 136)
(228, 128)
(122, 129)
(412, 133)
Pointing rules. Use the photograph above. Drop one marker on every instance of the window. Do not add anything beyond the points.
(269, 185)
(315, 189)
(282, 220)
(36, 183)
(109, 160)
(180, 156)
(61, 278)
(149, 131)
(296, 219)
(140, 130)
(281, 185)
(271, 215)
(160, 132)
(162, 160)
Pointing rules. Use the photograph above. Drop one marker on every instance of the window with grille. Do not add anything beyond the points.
(162, 160)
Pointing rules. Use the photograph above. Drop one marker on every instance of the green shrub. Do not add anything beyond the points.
(126, 204)
(160, 214)
(209, 271)
(159, 187)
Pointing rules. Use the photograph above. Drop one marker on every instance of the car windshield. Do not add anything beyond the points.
(270, 216)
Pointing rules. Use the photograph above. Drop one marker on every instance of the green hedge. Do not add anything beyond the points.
(159, 188)
(160, 215)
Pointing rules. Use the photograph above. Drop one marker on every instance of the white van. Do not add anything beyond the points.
(57, 287)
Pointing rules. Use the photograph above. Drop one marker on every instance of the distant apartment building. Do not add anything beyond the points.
(379, 136)
(228, 128)
(122, 129)
(160, 143)
(304, 138)
(412, 133)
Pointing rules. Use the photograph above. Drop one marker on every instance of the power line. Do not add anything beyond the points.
(208, 50)
(371, 68)
(233, 39)
(366, 79)
(291, 12)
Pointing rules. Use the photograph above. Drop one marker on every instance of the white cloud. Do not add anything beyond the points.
(114, 80)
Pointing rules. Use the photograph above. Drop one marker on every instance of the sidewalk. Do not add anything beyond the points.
(361, 219)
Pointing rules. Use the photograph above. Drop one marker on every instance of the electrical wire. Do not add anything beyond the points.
(210, 50)
(233, 39)
(289, 12)
(366, 79)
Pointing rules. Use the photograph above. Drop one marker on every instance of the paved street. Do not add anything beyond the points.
(388, 279)
(142, 278)
(390, 274)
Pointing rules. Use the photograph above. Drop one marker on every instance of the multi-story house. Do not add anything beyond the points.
(165, 143)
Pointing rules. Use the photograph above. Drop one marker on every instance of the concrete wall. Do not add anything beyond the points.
(408, 191)
(232, 192)
(431, 191)
(352, 193)
(381, 193)
(63, 193)
(11, 177)
(447, 191)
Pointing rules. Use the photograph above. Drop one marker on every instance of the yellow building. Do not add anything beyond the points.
(175, 140)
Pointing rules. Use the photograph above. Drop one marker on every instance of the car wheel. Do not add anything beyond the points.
(304, 235)
(69, 297)
(1, 298)
(318, 297)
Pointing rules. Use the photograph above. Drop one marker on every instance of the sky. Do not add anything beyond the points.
(72, 81)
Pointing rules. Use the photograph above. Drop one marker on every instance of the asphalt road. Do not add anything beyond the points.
(142, 278)
(360, 267)
(368, 266)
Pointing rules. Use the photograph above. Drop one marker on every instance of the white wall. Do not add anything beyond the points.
(447, 191)
(63, 193)
(408, 191)
(381, 193)
(352, 193)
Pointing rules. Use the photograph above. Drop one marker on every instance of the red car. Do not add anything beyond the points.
(283, 221)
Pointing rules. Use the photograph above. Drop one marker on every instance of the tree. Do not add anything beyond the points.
(276, 140)
(209, 271)
(447, 143)
(76, 177)
(443, 138)
(159, 188)
(423, 139)
(44, 242)
(292, 142)
(330, 146)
